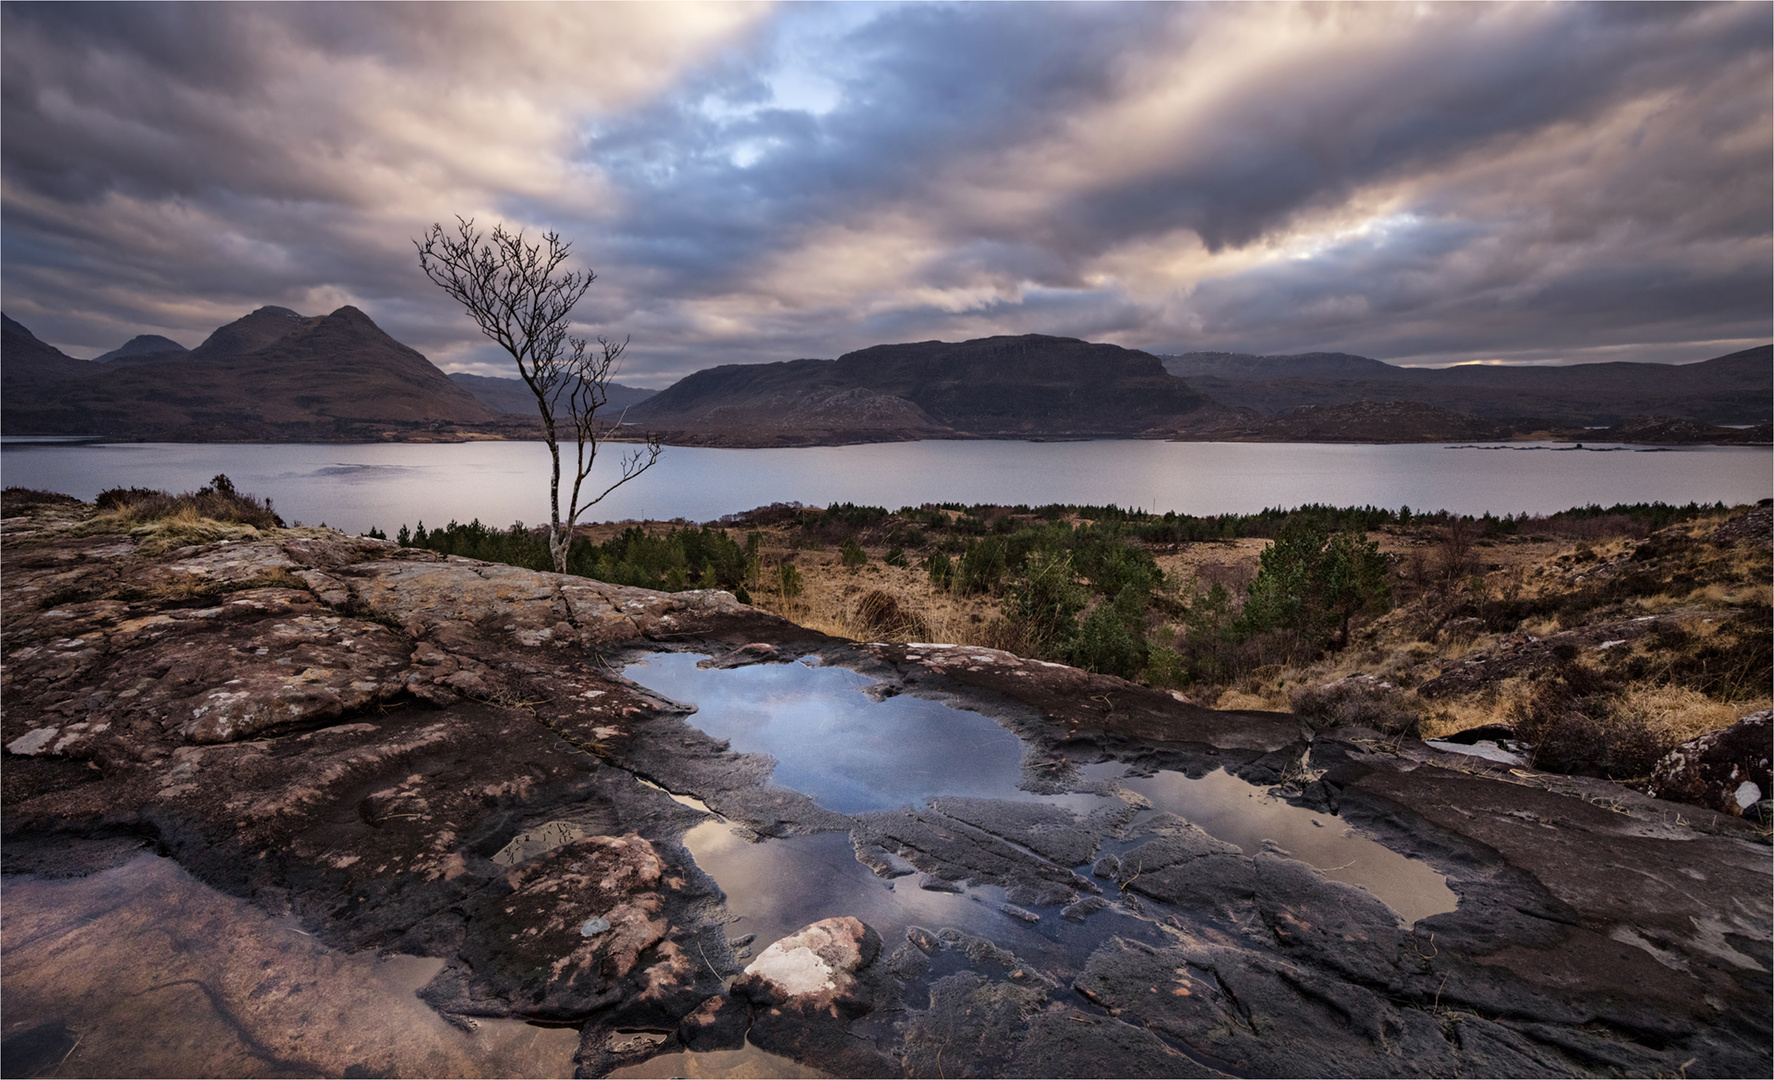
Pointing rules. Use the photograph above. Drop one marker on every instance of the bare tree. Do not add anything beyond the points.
(522, 296)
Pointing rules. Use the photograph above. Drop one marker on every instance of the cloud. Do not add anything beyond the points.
(1425, 183)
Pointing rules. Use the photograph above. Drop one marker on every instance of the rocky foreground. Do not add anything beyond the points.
(359, 749)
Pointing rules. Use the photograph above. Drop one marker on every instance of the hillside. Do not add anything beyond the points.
(27, 363)
(513, 396)
(1733, 389)
(271, 376)
(1028, 386)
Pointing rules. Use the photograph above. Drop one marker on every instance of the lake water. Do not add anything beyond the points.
(355, 487)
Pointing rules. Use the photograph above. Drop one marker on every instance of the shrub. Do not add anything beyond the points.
(1359, 699)
(1044, 603)
(218, 501)
(1112, 640)
(788, 580)
(678, 559)
(1574, 731)
(852, 554)
(980, 567)
(880, 614)
(16, 500)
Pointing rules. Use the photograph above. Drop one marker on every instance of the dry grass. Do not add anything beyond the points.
(1269, 701)
(1675, 714)
(832, 598)
(1444, 718)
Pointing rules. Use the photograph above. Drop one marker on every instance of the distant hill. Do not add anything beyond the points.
(271, 376)
(1733, 389)
(998, 387)
(513, 395)
(27, 363)
(144, 348)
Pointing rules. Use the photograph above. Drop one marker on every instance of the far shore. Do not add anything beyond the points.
(761, 440)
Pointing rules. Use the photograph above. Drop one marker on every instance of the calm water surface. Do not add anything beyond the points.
(355, 487)
(854, 754)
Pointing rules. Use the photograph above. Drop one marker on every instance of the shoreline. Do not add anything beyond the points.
(716, 441)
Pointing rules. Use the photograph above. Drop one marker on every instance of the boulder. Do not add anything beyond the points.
(813, 969)
(1725, 770)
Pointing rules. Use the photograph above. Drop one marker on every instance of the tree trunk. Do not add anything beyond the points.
(560, 538)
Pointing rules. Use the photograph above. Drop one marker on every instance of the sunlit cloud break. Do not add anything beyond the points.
(1427, 184)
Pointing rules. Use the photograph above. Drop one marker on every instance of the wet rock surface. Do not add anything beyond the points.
(401, 753)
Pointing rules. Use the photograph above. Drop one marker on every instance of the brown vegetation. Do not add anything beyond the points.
(1603, 642)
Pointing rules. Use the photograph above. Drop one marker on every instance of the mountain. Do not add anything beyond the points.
(273, 376)
(1247, 367)
(513, 395)
(29, 363)
(144, 348)
(250, 333)
(1003, 387)
(1733, 389)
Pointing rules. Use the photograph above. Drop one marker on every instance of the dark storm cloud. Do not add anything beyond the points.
(1417, 182)
(1319, 130)
(918, 88)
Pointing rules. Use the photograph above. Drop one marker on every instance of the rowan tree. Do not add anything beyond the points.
(522, 295)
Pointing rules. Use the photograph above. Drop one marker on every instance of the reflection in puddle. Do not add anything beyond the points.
(747, 1063)
(1243, 814)
(775, 887)
(832, 742)
(682, 800)
(855, 754)
(156, 974)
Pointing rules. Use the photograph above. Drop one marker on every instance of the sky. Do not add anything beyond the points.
(1427, 184)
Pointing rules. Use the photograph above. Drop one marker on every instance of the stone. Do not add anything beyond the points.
(1083, 909)
(538, 841)
(813, 969)
(1726, 770)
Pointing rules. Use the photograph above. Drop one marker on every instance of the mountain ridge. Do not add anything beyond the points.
(273, 375)
(1031, 385)
(513, 395)
(1736, 388)
(277, 375)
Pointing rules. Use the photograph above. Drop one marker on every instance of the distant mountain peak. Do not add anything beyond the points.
(143, 345)
(250, 333)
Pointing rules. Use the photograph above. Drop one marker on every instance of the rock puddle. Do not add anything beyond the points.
(836, 738)
(854, 752)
